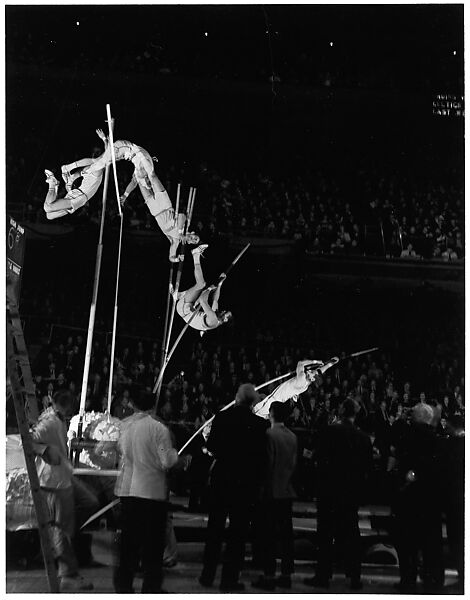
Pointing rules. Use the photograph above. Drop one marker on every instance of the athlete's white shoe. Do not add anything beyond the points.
(200, 249)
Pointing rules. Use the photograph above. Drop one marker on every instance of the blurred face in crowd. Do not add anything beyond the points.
(64, 408)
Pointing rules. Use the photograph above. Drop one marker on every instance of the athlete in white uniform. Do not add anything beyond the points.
(152, 189)
(197, 296)
(292, 388)
(78, 197)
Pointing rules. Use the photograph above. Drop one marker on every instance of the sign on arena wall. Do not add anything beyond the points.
(15, 254)
(448, 105)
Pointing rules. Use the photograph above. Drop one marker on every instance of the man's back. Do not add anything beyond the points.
(147, 452)
(344, 460)
(282, 459)
(237, 443)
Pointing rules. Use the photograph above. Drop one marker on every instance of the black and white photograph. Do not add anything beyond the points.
(235, 298)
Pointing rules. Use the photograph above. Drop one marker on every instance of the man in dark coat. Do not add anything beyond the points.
(453, 480)
(454, 491)
(277, 497)
(344, 461)
(237, 441)
(418, 506)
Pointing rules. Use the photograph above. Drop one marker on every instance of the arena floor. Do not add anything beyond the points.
(182, 579)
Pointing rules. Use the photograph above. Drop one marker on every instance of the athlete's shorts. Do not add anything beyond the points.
(158, 202)
(166, 223)
(186, 309)
(80, 196)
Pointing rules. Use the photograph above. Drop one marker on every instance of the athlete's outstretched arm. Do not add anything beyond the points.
(215, 300)
(130, 187)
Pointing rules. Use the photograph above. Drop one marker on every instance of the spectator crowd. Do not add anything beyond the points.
(213, 374)
(376, 214)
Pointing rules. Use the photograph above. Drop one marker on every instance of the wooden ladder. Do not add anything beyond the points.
(22, 391)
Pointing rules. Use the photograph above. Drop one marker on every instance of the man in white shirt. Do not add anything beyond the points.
(146, 455)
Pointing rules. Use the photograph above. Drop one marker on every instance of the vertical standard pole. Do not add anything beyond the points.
(400, 237)
(383, 237)
(158, 383)
(169, 328)
(113, 159)
(177, 284)
(113, 341)
(170, 283)
(91, 318)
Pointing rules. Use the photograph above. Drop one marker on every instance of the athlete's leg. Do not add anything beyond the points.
(53, 187)
(90, 184)
(76, 166)
(83, 162)
(198, 274)
(211, 317)
(144, 169)
(99, 163)
(161, 209)
(53, 208)
(74, 200)
(193, 294)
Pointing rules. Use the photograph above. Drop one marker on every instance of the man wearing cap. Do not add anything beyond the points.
(418, 504)
(237, 442)
(344, 461)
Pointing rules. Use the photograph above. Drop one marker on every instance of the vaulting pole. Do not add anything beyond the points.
(174, 297)
(259, 387)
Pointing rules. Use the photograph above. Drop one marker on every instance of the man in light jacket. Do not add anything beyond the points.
(147, 454)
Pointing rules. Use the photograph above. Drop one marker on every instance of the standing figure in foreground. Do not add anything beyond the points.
(344, 461)
(453, 451)
(237, 441)
(418, 506)
(276, 504)
(147, 455)
(55, 473)
(208, 299)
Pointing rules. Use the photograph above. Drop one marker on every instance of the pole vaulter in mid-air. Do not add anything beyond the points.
(91, 171)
